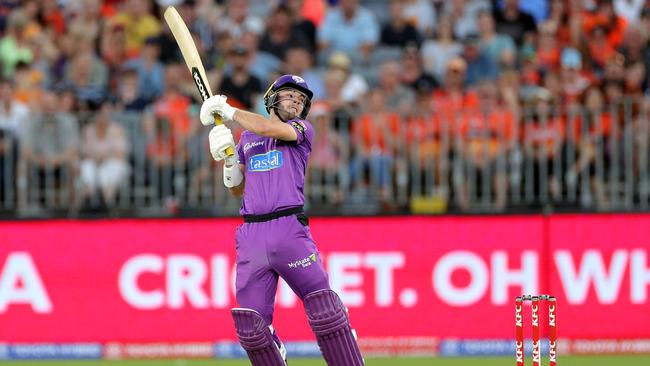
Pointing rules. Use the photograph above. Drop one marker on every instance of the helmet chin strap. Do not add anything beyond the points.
(283, 115)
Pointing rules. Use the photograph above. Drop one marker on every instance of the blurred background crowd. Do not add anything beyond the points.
(421, 106)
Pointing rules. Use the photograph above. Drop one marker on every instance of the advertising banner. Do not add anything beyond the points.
(407, 281)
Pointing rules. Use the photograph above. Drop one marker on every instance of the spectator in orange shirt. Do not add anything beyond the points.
(604, 16)
(428, 145)
(375, 138)
(173, 107)
(548, 46)
(485, 135)
(453, 97)
(600, 49)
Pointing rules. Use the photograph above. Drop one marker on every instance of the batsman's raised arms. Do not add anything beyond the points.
(191, 57)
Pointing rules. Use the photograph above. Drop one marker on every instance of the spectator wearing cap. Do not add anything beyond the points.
(151, 73)
(453, 98)
(138, 23)
(496, 46)
(349, 28)
(574, 80)
(437, 52)
(341, 111)
(514, 22)
(480, 66)
(239, 85)
(397, 32)
(354, 85)
(279, 35)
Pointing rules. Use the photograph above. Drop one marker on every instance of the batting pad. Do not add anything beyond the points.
(329, 321)
(256, 338)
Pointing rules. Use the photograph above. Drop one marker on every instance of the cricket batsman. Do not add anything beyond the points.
(268, 170)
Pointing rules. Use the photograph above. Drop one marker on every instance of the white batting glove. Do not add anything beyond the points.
(216, 104)
(221, 139)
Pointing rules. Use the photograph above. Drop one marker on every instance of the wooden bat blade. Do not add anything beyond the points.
(188, 49)
(191, 56)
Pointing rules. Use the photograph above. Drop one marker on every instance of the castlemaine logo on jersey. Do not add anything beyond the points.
(265, 162)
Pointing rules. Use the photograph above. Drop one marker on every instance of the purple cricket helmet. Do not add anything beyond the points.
(288, 82)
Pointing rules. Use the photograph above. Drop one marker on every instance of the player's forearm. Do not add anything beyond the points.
(262, 126)
(253, 122)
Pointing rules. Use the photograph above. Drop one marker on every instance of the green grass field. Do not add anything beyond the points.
(405, 361)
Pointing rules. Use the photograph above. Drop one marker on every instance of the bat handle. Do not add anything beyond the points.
(217, 121)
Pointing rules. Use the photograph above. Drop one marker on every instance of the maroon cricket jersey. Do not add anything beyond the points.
(274, 169)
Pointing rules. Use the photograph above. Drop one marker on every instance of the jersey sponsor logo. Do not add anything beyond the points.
(300, 126)
(265, 162)
(305, 262)
(250, 145)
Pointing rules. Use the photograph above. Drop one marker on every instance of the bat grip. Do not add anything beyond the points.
(217, 121)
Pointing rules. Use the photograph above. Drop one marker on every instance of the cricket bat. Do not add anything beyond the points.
(191, 57)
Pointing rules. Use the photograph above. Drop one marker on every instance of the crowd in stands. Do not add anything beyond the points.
(459, 90)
